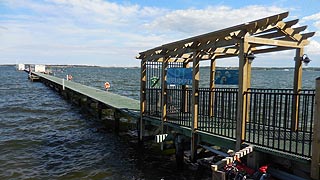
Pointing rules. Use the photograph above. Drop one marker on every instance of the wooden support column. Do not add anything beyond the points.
(99, 107)
(184, 102)
(143, 99)
(164, 93)
(297, 85)
(243, 87)
(247, 98)
(116, 116)
(195, 104)
(212, 86)
(315, 160)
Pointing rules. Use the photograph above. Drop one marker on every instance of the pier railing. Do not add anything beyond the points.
(268, 121)
(218, 111)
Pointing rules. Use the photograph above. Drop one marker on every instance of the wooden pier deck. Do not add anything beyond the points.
(111, 100)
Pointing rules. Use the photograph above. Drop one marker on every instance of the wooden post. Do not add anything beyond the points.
(99, 106)
(195, 104)
(184, 102)
(243, 87)
(218, 175)
(247, 100)
(163, 95)
(315, 160)
(297, 84)
(116, 116)
(212, 86)
(143, 100)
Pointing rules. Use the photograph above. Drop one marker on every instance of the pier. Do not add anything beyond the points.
(261, 124)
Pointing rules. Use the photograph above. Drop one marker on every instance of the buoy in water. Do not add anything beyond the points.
(107, 85)
(69, 77)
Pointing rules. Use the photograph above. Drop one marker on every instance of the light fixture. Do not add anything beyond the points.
(250, 57)
(305, 59)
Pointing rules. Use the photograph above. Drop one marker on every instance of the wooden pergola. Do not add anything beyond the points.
(270, 34)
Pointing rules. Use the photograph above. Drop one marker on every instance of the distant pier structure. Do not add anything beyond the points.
(20, 67)
(280, 124)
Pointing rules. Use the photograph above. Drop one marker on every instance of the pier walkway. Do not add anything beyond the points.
(111, 100)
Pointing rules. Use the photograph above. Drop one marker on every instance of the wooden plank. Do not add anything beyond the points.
(315, 161)
(215, 151)
(272, 42)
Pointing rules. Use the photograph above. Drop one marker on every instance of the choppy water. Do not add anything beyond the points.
(42, 136)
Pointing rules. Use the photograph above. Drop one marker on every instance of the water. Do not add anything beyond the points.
(42, 136)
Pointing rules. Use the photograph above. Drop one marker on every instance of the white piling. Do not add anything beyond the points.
(62, 84)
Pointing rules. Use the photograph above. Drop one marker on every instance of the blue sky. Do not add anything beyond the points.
(112, 33)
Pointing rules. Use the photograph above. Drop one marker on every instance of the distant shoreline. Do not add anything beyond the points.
(253, 68)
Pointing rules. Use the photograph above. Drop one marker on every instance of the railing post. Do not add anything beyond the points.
(195, 104)
(143, 100)
(315, 160)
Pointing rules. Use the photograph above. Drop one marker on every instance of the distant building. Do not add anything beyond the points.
(40, 68)
(21, 67)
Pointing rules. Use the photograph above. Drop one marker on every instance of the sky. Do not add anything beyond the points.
(113, 32)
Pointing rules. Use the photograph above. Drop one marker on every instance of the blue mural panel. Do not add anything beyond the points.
(179, 76)
(227, 77)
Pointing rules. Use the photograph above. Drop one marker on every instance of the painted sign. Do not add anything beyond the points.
(227, 77)
(179, 76)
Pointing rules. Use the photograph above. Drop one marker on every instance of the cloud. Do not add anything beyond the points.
(315, 20)
(102, 32)
(197, 21)
(313, 48)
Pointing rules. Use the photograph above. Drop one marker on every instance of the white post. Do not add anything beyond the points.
(67, 77)
(62, 84)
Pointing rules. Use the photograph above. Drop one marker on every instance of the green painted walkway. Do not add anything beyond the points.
(110, 99)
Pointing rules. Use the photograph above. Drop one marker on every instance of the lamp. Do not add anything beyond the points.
(250, 57)
(305, 59)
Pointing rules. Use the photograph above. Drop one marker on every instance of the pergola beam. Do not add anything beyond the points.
(272, 42)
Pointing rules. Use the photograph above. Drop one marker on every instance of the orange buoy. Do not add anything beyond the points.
(107, 85)
(69, 77)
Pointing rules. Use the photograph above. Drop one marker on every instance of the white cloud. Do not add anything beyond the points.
(101, 32)
(313, 48)
(196, 21)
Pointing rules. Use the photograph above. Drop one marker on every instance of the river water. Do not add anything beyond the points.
(42, 136)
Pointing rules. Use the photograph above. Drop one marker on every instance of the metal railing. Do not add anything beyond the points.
(218, 111)
(268, 115)
(269, 120)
